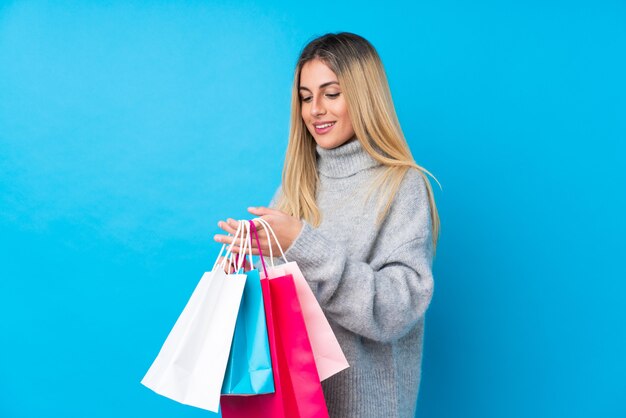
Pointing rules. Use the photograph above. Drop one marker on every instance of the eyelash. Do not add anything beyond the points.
(331, 96)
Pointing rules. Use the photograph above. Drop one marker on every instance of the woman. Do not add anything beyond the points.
(358, 216)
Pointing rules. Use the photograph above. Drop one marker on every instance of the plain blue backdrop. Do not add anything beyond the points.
(128, 129)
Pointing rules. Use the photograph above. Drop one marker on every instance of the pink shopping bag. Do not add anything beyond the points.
(329, 357)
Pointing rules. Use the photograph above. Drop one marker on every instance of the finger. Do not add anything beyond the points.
(264, 250)
(262, 210)
(255, 251)
(260, 231)
(223, 239)
(229, 229)
(235, 249)
(233, 224)
(259, 227)
(262, 241)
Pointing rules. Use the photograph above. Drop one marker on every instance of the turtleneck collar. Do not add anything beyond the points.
(344, 160)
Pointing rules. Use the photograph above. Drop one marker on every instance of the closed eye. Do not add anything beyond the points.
(330, 96)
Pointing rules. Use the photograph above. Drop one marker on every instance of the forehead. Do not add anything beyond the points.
(314, 73)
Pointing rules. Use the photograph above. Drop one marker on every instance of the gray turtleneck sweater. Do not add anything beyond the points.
(374, 283)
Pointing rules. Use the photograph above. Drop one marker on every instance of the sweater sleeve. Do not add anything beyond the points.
(381, 300)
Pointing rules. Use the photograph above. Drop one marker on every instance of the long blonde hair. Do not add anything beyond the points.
(364, 84)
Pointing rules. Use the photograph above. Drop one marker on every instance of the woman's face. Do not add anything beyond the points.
(324, 108)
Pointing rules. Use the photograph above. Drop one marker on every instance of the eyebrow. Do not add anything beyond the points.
(321, 85)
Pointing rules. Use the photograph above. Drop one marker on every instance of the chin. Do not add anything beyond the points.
(329, 143)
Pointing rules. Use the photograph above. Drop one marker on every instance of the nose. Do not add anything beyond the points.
(318, 107)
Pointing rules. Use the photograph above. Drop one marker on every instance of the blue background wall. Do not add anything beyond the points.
(128, 129)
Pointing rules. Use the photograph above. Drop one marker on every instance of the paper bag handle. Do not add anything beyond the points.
(228, 251)
(267, 226)
(258, 243)
(243, 252)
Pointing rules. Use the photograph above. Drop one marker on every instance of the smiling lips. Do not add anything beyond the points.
(323, 127)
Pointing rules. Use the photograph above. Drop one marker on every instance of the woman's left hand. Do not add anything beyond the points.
(286, 227)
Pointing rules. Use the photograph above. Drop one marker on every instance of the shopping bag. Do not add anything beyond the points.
(329, 357)
(249, 369)
(298, 392)
(191, 363)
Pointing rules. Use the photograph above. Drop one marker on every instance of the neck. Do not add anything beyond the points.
(344, 160)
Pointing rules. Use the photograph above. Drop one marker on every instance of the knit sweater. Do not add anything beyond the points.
(374, 283)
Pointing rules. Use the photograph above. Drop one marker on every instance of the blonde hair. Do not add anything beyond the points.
(364, 84)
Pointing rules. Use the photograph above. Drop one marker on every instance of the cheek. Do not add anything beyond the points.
(345, 117)
(347, 124)
(342, 111)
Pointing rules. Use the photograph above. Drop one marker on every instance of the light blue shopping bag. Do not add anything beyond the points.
(249, 367)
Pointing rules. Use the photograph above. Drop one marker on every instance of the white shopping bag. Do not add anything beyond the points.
(191, 364)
